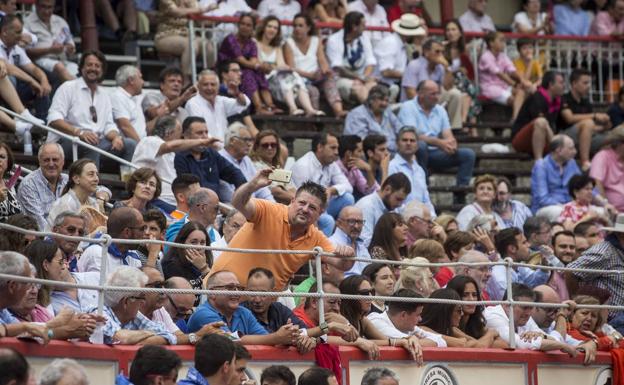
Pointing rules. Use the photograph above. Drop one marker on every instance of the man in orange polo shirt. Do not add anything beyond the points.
(273, 225)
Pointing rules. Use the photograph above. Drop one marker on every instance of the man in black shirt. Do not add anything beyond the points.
(578, 119)
(533, 128)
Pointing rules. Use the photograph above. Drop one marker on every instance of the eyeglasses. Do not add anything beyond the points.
(93, 112)
(180, 312)
(428, 222)
(353, 222)
(137, 298)
(231, 287)
(365, 292)
(266, 146)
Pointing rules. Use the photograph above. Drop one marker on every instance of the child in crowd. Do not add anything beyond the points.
(528, 67)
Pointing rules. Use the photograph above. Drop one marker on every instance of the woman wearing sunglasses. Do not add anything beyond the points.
(266, 153)
(355, 311)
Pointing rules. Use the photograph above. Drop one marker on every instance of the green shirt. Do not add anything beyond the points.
(304, 287)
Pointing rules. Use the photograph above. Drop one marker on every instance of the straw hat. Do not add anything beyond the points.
(409, 25)
(619, 225)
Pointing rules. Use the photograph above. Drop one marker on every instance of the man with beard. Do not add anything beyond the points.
(275, 226)
(393, 192)
(564, 245)
(82, 109)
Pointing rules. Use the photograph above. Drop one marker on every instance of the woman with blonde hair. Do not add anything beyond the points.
(434, 252)
(448, 222)
(419, 279)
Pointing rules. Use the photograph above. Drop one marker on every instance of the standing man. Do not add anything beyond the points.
(42, 187)
(276, 226)
(214, 108)
(405, 162)
(434, 129)
(81, 108)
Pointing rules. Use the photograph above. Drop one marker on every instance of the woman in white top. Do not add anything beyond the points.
(304, 53)
(484, 194)
(285, 84)
(81, 185)
(531, 20)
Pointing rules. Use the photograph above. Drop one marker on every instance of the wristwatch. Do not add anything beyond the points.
(324, 327)
(192, 338)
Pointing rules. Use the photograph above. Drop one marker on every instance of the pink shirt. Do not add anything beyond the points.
(489, 68)
(357, 179)
(604, 25)
(607, 168)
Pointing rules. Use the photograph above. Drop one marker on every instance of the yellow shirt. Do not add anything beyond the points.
(535, 69)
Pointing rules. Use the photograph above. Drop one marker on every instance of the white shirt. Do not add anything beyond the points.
(378, 18)
(128, 107)
(497, 319)
(91, 260)
(305, 61)
(72, 102)
(521, 18)
(308, 168)
(145, 156)
(384, 324)
(163, 317)
(215, 115)
(67, 202)
(58, 31)
(247, 167)
(391, 55)
(220, 242)
(15, 55)
(336, 52)
(226, 8)
(283, 9)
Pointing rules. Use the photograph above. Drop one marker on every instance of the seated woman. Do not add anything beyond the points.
(581, 209)
(267, 152)
(192, 264)
(463, 71)
(285, 84)
(587, 324)
(445, 319)
(434, 252)
(172, 33)
(419, 279)
(389, 238)
(81, 186)
(242, 48)
(472, 323)
(382, 278)
(459, 243)
(532, 20)
(448, 223)
(355, 311)
(498, 79)
(143, 186)
(328, 11)
(304, 53)
(9, 205)
(513, 213)
(484, 194)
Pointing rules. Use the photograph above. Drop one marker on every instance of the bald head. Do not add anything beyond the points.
(153, 274)
(179, 305)
(428, 94)
(178, 283)
(203, 206)
(14, 367)
(221, 277)
(351, 221)
(549, 295)
(122, 219)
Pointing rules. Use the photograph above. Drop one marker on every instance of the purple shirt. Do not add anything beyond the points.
(231, 49)
(418, 70)
(357, 179)
(489, 68)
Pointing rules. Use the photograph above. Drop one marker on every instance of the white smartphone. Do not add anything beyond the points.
(280, 175)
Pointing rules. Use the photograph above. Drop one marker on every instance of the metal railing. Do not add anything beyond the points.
(106, 241)
(603, 55)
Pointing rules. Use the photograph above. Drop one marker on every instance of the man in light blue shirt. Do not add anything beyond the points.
(348, 229)
(434, 128)
(512, 243)
(392, 194)
(405, 162)
(550, 177)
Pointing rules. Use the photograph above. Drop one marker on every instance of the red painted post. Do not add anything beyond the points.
(446, 10)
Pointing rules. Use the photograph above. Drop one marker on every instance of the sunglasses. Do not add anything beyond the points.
(93, 114)
(156, 285)
(365, 292)
(268, 145)
(180, 313)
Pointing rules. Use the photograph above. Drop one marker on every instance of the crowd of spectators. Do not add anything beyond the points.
(358, 193)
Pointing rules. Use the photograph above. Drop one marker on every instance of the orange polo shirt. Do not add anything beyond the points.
(269, 229)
